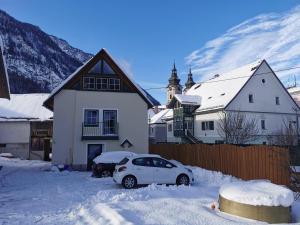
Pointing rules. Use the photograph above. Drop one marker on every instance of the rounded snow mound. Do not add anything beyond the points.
(257, 192)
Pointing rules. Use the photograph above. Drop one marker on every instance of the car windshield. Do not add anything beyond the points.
(123, 161)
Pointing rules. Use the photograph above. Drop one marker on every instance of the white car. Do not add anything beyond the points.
(147, 169)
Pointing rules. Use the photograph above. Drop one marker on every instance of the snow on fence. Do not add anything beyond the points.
(251, 162)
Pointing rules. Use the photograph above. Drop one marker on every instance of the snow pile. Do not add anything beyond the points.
(6, 155)
(257, 192)
(212, 178)
(112, 157)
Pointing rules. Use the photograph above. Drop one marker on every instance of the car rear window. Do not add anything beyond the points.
(123, 161)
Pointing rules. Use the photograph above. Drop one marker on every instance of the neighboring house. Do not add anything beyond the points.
(158, 127)
(295, 93)
(97, 108)
(25, 126)
(254, 90)
(4, 82)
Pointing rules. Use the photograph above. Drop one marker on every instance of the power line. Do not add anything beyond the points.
(215, 81)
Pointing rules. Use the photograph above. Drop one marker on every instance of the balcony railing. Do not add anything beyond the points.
(100, 131)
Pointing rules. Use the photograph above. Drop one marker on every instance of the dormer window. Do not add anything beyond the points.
(250, 97)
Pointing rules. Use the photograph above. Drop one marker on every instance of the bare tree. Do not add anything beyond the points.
(236, 128)
(285, 136)
(288, 136)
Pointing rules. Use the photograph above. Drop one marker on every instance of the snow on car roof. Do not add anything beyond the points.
(112, 157)
(222, 88)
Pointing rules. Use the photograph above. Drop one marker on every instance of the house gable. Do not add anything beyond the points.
(106, 75)
(264, 88)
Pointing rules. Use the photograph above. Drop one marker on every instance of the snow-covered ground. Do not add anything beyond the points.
(30, 193)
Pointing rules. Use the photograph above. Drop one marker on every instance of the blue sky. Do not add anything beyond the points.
(147, 36)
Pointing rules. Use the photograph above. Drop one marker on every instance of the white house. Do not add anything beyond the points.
(254, 90)
(25, 126)
(158, 127)
(97, 108)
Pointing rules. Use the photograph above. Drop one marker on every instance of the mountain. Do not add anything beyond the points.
(36, 61)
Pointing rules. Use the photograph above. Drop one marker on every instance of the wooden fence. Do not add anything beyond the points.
(251, 162)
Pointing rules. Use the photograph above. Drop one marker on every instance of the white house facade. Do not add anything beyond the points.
(253, 90)
(97, 109)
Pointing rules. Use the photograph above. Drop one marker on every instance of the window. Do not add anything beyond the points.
(102, 67)
(123, 161)
(2, 145)
(208, 125)
(161, 163)
(142, 162)
(263, 81)
(91, 117)
(170, 127)
(101, 84)
(250, 98)
(89, 83)
(277, 101)
(109, 122)
(263, 124)
(114, 84)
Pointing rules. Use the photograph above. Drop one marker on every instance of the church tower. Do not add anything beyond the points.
(174, 86)
(190, 82)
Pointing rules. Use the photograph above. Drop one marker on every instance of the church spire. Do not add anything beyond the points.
(174, 80)
(190, 82)
(174, 86)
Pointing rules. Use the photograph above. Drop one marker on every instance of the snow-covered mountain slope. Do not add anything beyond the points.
(36, 61)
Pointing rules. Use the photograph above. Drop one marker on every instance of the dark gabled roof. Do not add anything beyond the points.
(102, 54)
(4, 82)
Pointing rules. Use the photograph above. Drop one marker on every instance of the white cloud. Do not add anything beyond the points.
(274, 37)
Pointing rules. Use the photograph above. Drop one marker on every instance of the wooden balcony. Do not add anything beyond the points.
(100, 131)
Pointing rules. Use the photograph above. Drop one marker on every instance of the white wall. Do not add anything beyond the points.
(68, 148)
(16, 136)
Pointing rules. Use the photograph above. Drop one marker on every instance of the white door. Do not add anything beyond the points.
(143, 170)
(164, 172)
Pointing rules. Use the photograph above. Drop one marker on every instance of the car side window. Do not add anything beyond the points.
(161, 163)
(142, 162)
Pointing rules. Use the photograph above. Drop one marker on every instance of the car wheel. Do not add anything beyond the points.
(183, 180)
(105, 173)
(129, 182)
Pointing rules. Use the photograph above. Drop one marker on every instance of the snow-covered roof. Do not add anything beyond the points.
(59, 87)
(25, 107)
(294, 90)
(217, 92)
(157, 118)
(188, 99)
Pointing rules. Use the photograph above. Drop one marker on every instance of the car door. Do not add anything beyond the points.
(164, 172)
(143, 170)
